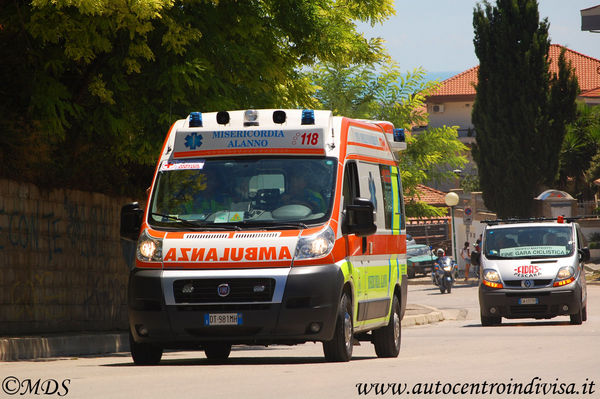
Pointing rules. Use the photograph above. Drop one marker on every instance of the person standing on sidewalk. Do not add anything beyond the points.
(465, 253)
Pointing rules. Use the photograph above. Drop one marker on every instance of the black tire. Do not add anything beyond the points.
(411, 273)
(217, 350)
(442, 289)
(387, 339)
(577, 318)
(449, 288)
(584, 314)
(339, 349)
(144, 354)
(487, 321)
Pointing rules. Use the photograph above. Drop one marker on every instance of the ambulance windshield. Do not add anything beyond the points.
(243, 192)
(528, 242)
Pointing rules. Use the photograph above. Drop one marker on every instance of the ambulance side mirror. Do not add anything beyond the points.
(131, 221)
(359, 218)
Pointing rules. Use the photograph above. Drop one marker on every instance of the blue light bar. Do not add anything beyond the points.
(399, 135)
(308, 117)
(195, 119)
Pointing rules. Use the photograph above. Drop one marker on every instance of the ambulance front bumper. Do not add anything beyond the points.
(292, 305)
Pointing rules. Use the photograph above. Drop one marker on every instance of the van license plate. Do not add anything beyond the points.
(528, 301)
(222, 319)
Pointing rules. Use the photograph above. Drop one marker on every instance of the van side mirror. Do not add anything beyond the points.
(131, 221)
(584, 254)
(359, 218)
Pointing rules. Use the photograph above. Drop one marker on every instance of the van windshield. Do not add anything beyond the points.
(279, 192)
(528, 242)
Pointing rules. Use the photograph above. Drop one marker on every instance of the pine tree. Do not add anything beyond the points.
(517, 116)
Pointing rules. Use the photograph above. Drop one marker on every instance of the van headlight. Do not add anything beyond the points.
(149, 249)
(491, 278)
(565, 275)
(315, 246)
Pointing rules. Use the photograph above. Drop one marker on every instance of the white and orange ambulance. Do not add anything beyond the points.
(270, 227)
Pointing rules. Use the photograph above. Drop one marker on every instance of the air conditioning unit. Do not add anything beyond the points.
(437, 108)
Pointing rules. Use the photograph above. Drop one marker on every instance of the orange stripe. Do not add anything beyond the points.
(372, 147)
(296, 151)
(227, 265)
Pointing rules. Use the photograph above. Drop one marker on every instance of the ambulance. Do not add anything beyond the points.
(270, 227)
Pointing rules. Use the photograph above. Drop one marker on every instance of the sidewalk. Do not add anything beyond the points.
(85, 344)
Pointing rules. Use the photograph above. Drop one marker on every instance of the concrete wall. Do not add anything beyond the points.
(61, 263)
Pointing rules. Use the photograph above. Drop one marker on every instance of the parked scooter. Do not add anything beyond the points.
(444, 272)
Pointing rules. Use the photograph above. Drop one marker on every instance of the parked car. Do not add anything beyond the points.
(420, 259)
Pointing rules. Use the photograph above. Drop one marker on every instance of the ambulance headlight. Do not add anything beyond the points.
(315, 246)
(149, 249)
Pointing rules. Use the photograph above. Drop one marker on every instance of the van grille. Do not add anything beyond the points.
(529, 310)
(240, 290)
(537, 283)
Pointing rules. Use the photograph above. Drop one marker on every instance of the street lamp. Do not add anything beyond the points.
(451, 199)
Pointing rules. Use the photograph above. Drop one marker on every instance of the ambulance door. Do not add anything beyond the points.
(376, 263)
(354, 245)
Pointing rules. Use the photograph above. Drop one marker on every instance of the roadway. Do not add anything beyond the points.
(451, 356)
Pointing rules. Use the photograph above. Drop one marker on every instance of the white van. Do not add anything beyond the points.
(270, 227)
(533, 268)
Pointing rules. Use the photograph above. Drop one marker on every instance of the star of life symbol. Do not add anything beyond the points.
(193, 140)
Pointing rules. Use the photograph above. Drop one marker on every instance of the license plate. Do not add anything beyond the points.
(223, 319)
(528, 301)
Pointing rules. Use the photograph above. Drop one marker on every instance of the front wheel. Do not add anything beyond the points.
(217, 351)
(339, 349)
(487, 321)
(387, 339)
(144, 354)
(442, 289)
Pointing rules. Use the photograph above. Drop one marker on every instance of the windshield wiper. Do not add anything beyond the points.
(273, 225)
(190, 223)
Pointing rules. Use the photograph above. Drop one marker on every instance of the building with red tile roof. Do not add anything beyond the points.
(430, 196)
(451, 104)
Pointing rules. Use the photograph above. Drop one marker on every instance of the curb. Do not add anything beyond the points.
(62, 346)
(433, 316)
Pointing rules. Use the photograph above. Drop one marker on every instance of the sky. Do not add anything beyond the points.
(438, 34)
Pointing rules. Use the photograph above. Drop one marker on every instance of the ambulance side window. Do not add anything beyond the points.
(350, 189)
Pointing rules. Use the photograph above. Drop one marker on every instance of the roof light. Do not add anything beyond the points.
(279, 116)
(251, 117)
(560, 219)
(223, 117)
(308, 117)
(195, 119)
(399, 135)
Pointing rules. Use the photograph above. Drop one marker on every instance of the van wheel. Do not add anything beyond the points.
(339, 349)
(577, 318)
(487, 321)
(584, 314)
(217, 351)
(144, 354)
(387, 339)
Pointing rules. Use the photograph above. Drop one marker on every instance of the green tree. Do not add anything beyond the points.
(520, 110)
(90, 87)
(382, 92)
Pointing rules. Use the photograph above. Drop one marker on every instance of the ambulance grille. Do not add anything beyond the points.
(239, 290)
(257, 235)
(207, 236)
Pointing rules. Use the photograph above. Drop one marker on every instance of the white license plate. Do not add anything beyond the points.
(528, 301)
(223, 319)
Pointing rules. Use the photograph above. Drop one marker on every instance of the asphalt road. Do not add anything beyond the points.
(456, 355)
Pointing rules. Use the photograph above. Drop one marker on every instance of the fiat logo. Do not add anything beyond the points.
(223, 290)
(527, 283)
